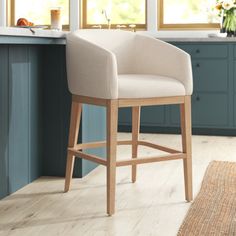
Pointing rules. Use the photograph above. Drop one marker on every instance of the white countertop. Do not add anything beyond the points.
(171, 36)
(191, 36)
(43, 33)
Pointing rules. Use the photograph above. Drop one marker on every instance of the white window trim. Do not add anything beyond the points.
(152, 15)
(75, 15)
(152, 18)
(3, 12)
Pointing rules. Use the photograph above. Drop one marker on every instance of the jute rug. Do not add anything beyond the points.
(213, 212)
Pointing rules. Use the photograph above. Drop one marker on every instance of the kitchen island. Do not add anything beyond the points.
(35, 109)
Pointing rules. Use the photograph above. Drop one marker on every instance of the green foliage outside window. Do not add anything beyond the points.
(119, 11)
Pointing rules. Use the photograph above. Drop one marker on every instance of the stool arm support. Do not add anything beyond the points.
(91, 69)
(153, 56)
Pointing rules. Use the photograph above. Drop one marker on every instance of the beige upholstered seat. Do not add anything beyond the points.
(114, 68)
(146, 86)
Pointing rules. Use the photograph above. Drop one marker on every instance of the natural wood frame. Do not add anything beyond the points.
(197, 26)
(76, 150)
(11, 21)
(85, 25)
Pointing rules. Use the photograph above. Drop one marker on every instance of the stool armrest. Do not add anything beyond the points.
(91, 70)
(153, 56)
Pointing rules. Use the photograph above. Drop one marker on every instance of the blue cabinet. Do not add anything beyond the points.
(214, 96)
(34, 116)
(20, 122)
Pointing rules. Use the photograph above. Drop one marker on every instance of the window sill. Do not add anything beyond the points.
(14, 31)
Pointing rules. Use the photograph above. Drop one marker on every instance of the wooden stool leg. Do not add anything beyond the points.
(76, 109)
(186, 130)
(135, 136)
(112, 116)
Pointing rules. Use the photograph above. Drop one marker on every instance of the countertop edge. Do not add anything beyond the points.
(9, 39)
(202, 39)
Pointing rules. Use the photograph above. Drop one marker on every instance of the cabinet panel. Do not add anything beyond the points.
(18, 117)
(35, 112)
(210, 75)
(125, 116)
(4, 125)
(150, 115)
(93, 131)
(207, 110)
(205, 51)
(56, 111)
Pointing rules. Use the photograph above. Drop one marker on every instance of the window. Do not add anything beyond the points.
(117, 12)
(192, 14)
(38, 11)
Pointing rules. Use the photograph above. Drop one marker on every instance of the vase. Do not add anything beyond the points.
(228, 24)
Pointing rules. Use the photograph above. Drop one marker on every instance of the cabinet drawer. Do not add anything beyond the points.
(205, 51)
(210, 75)
(149, 115)
(208, 110)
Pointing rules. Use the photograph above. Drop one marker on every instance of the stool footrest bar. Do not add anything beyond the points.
(91, 145)
(159, 147)
(88, 157)
(100, 144)
(144, 160)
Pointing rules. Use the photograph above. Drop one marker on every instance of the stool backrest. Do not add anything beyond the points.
(120, 42)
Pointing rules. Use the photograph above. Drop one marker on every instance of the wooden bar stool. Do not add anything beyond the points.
(114, 68)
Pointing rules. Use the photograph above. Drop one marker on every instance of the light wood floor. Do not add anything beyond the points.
(154, 205)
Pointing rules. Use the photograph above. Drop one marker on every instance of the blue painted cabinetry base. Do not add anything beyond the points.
(34, 116)
(20, 116)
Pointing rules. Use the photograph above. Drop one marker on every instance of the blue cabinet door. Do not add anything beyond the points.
(18, 117)
(150, 115)
(210, 75)
(208, 110)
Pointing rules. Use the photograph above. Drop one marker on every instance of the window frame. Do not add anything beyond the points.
(188, 26)
(85, 25)
(11, 21)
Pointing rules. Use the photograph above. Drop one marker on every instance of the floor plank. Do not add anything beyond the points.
(154, 205)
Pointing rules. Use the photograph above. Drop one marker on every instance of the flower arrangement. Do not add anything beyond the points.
(226, 9)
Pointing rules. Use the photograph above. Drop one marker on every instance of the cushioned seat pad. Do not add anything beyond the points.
(148, 86)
